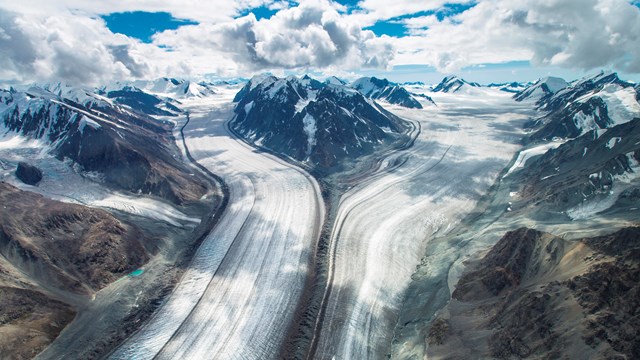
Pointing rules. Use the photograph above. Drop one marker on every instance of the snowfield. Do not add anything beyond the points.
(384, 224)
(238, 297)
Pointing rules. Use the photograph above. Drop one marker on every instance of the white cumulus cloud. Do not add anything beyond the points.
(582, 34)
(311, 35)
(65, 47)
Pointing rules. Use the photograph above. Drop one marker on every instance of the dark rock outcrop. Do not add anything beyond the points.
(541, 89)
(28, 174)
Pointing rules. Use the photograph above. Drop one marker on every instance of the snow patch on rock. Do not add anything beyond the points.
(85, 121)
(309, 127)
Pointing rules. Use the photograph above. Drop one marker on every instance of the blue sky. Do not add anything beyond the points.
(141, 24)
(395, 27)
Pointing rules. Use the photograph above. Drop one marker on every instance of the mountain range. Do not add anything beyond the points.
(526, 286)
(322, 124)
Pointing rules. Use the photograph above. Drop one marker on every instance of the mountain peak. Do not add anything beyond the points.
(383, 89)
(334, 80)
(322, 127)
(544, 87)
(452, 84)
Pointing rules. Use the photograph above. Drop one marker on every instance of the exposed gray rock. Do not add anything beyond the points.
(28, 174)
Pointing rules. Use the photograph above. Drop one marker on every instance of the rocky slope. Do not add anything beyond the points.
(530, 294)
(322, 125)
(61, 261)
(537, 295)
(590, 150)
(593, 169)
(130, 150)
(597, 102)
(29, 321)
(65, 248)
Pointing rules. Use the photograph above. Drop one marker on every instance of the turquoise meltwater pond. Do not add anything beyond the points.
(136, 273)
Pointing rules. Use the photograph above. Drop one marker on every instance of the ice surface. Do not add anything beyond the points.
(248, 107)
(85, 121)
(612, 142)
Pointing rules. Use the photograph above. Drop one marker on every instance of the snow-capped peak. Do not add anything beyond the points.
(452, 84)
(543, 87)
(333, 80)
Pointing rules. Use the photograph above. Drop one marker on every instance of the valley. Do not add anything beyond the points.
(319, 180)
(333, 222)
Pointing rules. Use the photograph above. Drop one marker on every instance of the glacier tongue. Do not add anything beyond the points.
(235, 301)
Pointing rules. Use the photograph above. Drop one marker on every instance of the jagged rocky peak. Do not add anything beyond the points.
(607, 81)
(511, 87)
(370, 86)
(452, 84)
(322, 127)
(541, 88)
(141, 101)
(383, 89)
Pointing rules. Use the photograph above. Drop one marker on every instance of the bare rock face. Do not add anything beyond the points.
(29, 321)
(610, 295)
(73, 247)
(49, 247)
(535, 295)
(505, 266)
(28, 174)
